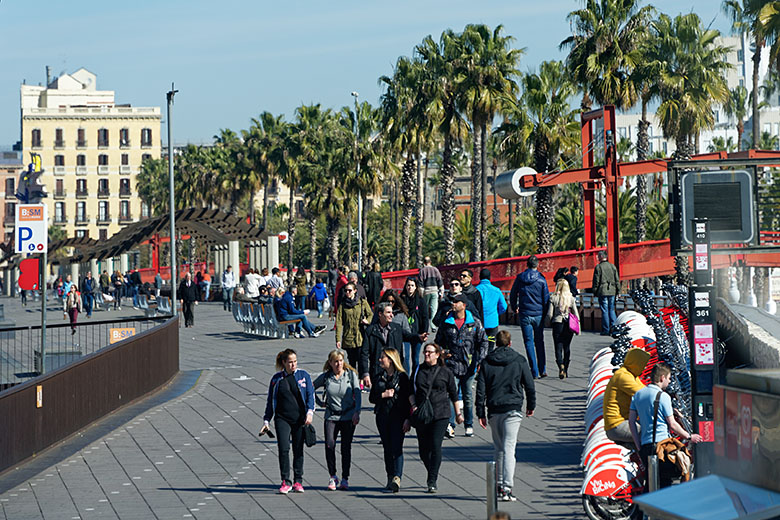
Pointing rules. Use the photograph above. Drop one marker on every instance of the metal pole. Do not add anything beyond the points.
(44, 261)
(360, 194)
(490, 492)
(174, 305)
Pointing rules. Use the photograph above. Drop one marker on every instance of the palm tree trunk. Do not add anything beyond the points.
(642, 147)
(349, 238)
(447, 179)
(476, 195)
(265, 204)
(740, 131)
(252, 207)
(313, 243)
(545, 223)
(483, 205)
(291, 239)
(364, 231)
(333, 225)
(396, 193)
(408, 190)
(419, 213)
(754, 96)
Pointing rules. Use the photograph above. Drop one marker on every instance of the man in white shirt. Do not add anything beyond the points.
(228, 286)
(252, 280)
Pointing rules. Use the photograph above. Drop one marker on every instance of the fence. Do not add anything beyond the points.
(20, 347)
(49, 408)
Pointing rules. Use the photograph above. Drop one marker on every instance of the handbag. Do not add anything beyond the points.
(424, 413)
(309, 435)
(574, 323)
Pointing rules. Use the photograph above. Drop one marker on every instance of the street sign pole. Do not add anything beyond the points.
(42, 285)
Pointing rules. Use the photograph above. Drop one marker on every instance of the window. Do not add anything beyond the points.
(146, 137)
(146, 157)
(124, 138)
(81, 187)
(124, 186)
(81, 211)
(81, 233)
(35, 138)
(717, 116)
(59, 142)
(125, 159)
(81, 160)
(59, 190)
(10, 187)
(103, 159)
(103, 210)
(124, 209)
(740, 55)
(145, 209)
(103, 137)
(81, 138)
(59, 212)
(59, 160)
(103, 234)
(665, 149)
(10, 208)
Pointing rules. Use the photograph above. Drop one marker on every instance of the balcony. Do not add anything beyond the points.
(81, 143)
(124, 219)
(10, 194)
(81, 170)
(9, 221)
(82, 194)
(60, 219)
(104, 219)
(103, 194)
(124, 143)
(82, 220)
(125, 169)
(125, 193)
(103, 169)
(146, 144)
(102, 143)
(59, 170)
(59, 194)
(59, 143)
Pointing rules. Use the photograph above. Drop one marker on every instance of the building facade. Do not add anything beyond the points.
(10, 168)
(91, 152)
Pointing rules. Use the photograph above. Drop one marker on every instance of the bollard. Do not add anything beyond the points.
(490, 478)
(652, 473)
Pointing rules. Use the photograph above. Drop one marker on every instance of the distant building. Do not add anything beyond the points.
(91, 150)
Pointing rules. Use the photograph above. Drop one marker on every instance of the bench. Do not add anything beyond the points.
(101, 303)
(150, 309)
(164, 305)
(260, 320)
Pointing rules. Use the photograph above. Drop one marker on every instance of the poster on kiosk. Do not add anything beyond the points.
(31, 228)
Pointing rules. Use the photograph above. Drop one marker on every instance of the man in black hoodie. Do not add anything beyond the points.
(502, 377)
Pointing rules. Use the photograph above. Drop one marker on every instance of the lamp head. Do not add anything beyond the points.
(354, 93)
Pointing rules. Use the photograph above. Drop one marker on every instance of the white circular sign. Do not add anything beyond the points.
(284, 236)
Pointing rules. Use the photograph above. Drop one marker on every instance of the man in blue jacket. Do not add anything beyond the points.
(529, 298)
(286, 310)
(493, 305)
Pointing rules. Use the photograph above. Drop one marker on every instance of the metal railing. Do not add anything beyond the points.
(20, 347)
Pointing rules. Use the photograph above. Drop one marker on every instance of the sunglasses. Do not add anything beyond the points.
(454, 284)
(429, 352)
(465, 275)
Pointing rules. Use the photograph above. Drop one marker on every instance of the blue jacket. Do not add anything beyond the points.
(493, 303)
(319, 292)
(530, 293)
(305, 385)
(285, 306)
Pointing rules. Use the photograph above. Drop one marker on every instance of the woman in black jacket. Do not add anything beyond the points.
(418, 321)
(434, 381)
(390, 396)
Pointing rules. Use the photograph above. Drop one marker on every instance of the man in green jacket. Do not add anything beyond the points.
(606, 286)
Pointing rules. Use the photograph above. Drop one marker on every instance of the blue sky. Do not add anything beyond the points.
(233, 59)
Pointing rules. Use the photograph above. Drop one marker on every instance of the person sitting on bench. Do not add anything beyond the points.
(284, 305)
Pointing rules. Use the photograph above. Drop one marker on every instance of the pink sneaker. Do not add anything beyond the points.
(333, 483)
(297, 488)
(285, 487)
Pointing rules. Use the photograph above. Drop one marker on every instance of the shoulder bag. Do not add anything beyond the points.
(424, 413)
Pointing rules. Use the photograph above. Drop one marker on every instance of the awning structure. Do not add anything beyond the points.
(711, 498)
(209, 226)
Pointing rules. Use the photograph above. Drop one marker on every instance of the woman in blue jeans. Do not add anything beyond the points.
(418, 321)
(390, 392)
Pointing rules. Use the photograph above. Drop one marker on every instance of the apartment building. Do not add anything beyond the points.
(10, 168)
(91, 150)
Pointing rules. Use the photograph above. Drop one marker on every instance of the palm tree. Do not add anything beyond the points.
(152, 182)
(746, 20)
(487, 68)
(439, 59)
(736, 107)
(261, 139)
(720, 144)
(691, 77)
(545, 99)
(605, 49)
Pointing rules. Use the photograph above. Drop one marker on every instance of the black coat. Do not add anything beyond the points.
(418, 313)
(444, 390)
(398, 406)
(444, 309)
(374, 285)
(468, 345)
(374, 343)
(572, 279)
(188, 294)
(503, 376)
(475, 297)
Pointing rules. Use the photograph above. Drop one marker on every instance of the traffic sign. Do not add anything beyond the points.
(32, 233)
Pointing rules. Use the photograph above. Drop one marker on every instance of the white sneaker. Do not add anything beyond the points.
(450, 433)
(469, 431)
(333, 483)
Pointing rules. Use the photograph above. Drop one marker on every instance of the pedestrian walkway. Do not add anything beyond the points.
(192, 450)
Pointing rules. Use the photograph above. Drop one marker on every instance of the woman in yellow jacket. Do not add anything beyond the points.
(352, 316)
(622, 386)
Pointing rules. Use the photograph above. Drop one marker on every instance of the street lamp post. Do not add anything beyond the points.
(360, 194)
(174, 305)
